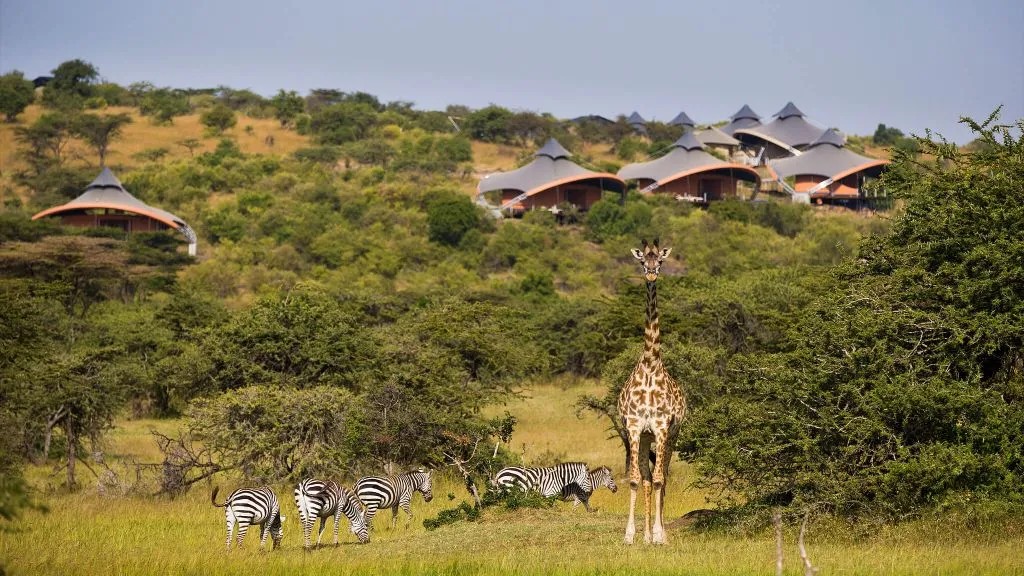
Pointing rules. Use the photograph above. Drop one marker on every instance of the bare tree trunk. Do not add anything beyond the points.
(70, 433)
(777, 521)
(809, 569)
(51, 423)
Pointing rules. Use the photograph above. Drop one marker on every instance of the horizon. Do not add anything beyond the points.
(914, 66)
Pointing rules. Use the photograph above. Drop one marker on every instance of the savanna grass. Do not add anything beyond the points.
(88, 534)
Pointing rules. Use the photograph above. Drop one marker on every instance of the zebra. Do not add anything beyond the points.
(378, 492)
(248, 506)
(548, 481)
(318, 499)
(599, 477)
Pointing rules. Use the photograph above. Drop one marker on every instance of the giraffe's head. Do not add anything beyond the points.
(650, 258)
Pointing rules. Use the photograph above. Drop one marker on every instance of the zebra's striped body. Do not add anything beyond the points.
(600, 477)
(248, 506)
(548, 481)
(376, 492)
(318, 499)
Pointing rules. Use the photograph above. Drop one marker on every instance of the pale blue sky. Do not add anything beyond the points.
(910, 64)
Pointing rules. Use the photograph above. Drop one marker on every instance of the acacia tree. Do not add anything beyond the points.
(287, 105)
(903, 388)
(99, 131)
(45, 139)
(219, 118)
(16, 93)
(73, 82)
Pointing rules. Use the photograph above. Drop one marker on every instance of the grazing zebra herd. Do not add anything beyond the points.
(319, 499)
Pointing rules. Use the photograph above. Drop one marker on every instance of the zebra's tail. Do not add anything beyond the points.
(213, 498)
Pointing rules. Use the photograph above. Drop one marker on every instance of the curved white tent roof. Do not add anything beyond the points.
(686, 157)
(551, 167)
(826, 157)
(789, 130)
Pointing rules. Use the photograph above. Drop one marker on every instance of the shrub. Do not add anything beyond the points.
(449, 216)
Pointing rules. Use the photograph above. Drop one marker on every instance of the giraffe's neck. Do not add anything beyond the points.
(652, 330)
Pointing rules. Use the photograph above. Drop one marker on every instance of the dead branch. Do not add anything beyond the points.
(184, 464)
(809, 569)
(777, 521)
(461, 465)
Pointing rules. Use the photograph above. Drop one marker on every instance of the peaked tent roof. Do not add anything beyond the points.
(686, 157)
(106, 191)
(826, 157)
(635, 118)
(745, 112)
(788, 110)
(553, 149)
(715, 136)
(551, 167)
(682, 119)
(789, 129)
(743, 118)
(830, 136)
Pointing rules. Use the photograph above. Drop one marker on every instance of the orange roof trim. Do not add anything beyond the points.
(87, 205)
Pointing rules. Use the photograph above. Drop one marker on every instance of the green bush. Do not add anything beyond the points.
(898, 389)
(450, 216)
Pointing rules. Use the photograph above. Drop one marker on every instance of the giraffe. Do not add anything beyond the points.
(651, 406)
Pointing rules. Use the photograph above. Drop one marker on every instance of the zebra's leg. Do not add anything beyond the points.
(371, 510)
(243, 527)
(408, 513)
(229, 518)
(319, 535)
(307, 530)
(634, 482)
(337, 520)
(394, 516)
(264, 532)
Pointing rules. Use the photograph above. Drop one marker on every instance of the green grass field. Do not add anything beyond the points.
(90, 534)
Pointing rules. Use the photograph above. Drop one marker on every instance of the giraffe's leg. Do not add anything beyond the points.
(647, 511)
(644, 462)
(634, 483)
(660, 464)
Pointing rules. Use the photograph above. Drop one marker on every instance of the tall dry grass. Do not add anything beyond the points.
(89, 534)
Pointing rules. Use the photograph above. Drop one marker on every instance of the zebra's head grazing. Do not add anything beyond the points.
(356, 520)
(423, 479)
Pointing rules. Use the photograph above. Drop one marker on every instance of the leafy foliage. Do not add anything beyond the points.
(450, 215)
(908, 396)
(16, 93)
(219, 118)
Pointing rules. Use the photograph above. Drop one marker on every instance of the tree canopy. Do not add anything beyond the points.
(900, 390)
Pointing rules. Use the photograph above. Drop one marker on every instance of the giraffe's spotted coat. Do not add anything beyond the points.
(651, 406)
